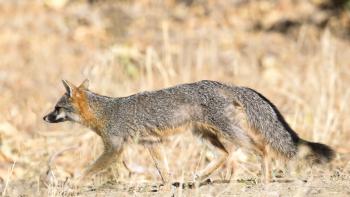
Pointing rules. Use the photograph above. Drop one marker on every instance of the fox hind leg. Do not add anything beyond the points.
(230, 167)
(266, 168)
(211, 167)
(265, 158)
(213, 139)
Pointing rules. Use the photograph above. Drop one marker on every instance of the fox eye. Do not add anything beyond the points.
(57, 108)
(60, 107)
(67, 109)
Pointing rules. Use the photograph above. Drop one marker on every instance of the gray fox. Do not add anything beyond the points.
(221, 114)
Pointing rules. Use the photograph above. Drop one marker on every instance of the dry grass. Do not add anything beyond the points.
(131, 46)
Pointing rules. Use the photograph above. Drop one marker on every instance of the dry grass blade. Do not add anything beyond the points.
(8, 178)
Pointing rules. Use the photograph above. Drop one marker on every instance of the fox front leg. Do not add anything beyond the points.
(111, 153)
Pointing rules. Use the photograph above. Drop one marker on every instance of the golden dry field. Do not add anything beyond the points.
(295, 52)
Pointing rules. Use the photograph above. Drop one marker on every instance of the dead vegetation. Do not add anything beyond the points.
(294, 52)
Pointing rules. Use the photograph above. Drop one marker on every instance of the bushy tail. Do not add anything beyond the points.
(266, 120)
(315, 153)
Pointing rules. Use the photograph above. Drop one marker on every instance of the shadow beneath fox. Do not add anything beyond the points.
(160, 187)
(192, 185)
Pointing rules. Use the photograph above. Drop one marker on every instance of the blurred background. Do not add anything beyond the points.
(295, 52)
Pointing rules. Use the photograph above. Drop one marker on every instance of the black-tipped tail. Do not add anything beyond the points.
(320, 153)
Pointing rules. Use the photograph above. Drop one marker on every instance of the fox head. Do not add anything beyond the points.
(68, 107)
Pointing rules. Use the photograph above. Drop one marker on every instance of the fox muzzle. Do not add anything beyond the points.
(55, 117)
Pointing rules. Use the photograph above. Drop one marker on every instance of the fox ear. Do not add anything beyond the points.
(85, 84)
(69, 87)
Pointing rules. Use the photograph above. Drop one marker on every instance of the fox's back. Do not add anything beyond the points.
(200, 102)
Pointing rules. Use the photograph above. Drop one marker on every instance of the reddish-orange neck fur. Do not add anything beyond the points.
(88, 118)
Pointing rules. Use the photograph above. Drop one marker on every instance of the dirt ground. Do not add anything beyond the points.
(293, 52)
(318, 184)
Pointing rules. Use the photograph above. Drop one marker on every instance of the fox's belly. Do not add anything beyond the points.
(152, 134)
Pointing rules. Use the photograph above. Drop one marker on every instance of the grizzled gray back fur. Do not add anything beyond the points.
(202, 103)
